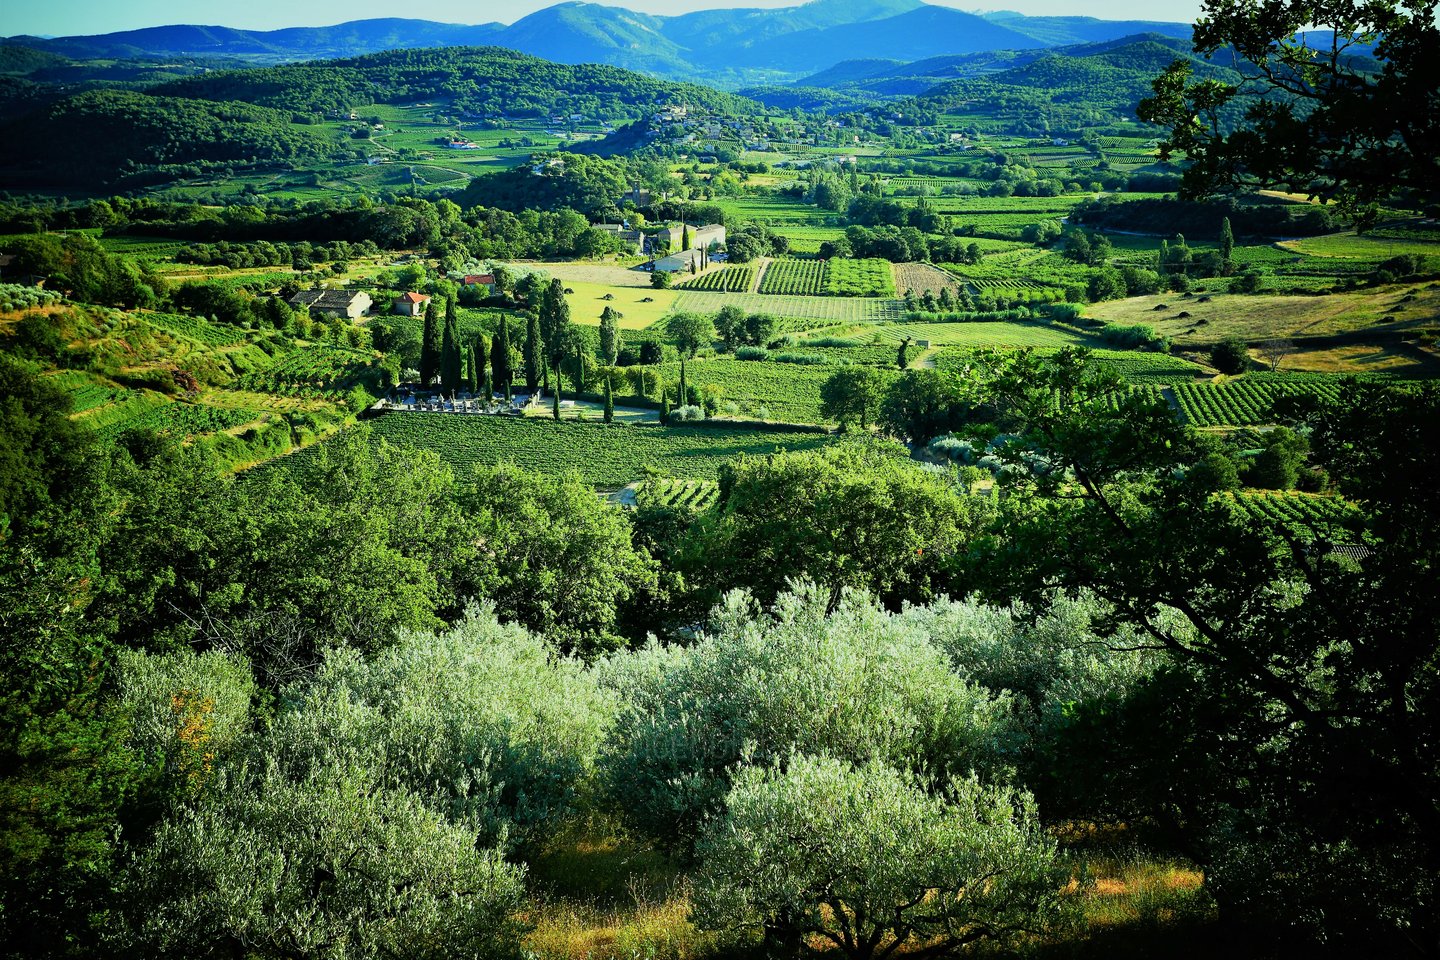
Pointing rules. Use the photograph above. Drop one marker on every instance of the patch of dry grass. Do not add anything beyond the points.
(600, 895)
(1356, 358)
(1256, 317)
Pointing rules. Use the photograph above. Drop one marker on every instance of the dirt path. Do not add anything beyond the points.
(925, 360)
(760, 264)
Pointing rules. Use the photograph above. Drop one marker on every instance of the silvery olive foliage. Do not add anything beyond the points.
(327, 866)
(186, 709)
(869, 861)
(858, 684)
(485, 721)
(1047, 658)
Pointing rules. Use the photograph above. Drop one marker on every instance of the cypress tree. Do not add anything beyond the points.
(902, 356)
(664, 404)
(684, 237)
(609, 337)
(430, 347)
(555, 397)
(609, 403)
(500, 357)
(450, 363)
(1227, 240)
(472, 366)
(684, 391)
(532, 353)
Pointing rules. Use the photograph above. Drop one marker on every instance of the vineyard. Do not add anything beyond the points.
(1244, 402)
(733, 278)
(603, 455)
(1299, 515)
(795, 313)
(1139, 367)
(316, 370)
(794, 277)
(980, 334)
(679, 494)
(189, 419)
(757, 388)
(828, 278)
(858, 278)
(197, 329)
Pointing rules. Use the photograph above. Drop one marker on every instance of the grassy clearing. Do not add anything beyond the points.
(600, 895)
(587, 301)
(1351, 246)
(588, 271)
(1358, 358)
(1000, 335)
(1259, 317)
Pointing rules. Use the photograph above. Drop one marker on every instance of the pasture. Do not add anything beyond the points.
(587, 301)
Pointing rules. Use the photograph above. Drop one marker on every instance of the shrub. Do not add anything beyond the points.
(807, 359)
(861, 854)
(1230, 356)
(688, 412)
(858, 684)
(481, 721)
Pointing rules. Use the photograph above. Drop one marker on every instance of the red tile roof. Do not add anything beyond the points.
(473, 278)
(413, 297)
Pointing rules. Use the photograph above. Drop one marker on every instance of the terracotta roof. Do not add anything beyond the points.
(413, 297)
(472, 278)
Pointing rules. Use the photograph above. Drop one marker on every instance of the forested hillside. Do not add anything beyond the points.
(458, 506)
(121, 138)
(482, 80)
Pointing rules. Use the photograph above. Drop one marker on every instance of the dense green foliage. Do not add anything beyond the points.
(480, 80)
(124, 139)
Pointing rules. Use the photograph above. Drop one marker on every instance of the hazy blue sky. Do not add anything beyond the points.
(76, 17)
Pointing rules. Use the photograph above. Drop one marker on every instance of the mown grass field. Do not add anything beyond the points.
(604, 456)
(984, 334)
(587, 302)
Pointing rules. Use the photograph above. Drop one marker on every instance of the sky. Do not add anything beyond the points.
(83, 17)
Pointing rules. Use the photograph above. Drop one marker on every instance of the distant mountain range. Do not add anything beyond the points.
(716, 47)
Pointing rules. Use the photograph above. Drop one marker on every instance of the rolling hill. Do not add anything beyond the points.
(728, 47)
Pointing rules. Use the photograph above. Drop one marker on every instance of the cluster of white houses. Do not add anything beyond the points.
(668, 244)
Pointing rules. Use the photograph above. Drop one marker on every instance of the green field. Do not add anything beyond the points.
(587, 301)
(604, 456)
(763, 389)
(829, 278)
(982, 334)
(1246, 402)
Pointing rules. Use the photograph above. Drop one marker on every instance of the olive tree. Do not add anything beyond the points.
(856, 683)
(330, 865)
(186, 710)
(483, 721)
(867, 861)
